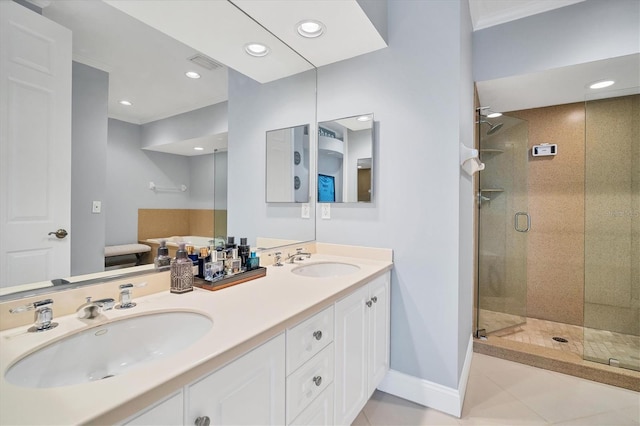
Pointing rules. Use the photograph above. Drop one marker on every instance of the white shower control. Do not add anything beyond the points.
(544, 149)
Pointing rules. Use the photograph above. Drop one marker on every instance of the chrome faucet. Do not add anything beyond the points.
(298, 255)
(43, 318)
(94, 308)
(277, 261)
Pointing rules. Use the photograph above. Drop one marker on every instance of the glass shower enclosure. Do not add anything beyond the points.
(503, 224)
(612, 230)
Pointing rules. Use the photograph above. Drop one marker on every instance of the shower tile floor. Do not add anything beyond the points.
(599, 346)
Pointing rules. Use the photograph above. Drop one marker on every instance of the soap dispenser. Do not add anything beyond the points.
(163, 260)
(181, 272)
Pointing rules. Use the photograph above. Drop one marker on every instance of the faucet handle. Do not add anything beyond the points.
(43, 317)
(277, 258)
(125, 295)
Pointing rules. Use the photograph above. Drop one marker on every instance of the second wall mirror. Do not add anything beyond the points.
(345, 160)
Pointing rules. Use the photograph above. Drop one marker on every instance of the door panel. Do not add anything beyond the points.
(35, 146)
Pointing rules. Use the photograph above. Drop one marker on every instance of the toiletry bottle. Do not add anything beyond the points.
(243, 252)
(181, 272)
(253, 262)
(230, 243)
(163, 260)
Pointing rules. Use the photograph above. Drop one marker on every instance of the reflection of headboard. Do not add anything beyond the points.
(154, 223)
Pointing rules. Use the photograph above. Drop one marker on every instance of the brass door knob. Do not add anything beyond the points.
(60, 233)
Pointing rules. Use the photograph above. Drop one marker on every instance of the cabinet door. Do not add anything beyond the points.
(167, 412)
(378, 363)
(248, 391)
(351, 343)
(319, 412)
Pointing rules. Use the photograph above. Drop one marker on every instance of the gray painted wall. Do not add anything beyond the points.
(583, 32)
(253, 110)
(423, 105)
(90, 88)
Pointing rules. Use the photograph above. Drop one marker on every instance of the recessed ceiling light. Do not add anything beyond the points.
(192, 74)
(198, 148)
(125, 102)
(601, 84)
(494, 115)
(310, 28)
(256, 49)
(364, 118)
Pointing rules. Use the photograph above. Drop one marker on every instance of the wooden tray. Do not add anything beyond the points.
(229, 281)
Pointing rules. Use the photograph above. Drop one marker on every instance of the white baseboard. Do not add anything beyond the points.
(430, 394)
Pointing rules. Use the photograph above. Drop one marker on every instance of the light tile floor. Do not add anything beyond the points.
(502, 392)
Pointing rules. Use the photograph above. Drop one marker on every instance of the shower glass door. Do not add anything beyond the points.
(612, 230)
(503, 224)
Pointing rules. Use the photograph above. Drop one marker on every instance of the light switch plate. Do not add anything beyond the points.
(326, 211)
(96, 207)
(306, 211)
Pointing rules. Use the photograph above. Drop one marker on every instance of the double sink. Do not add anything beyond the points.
(120, 346)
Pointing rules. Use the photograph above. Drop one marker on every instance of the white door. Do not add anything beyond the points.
(35, 146)
(351, 346)
(379, 332)
(248, 391)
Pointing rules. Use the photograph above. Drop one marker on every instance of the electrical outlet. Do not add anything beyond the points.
(306, 211)
(96, 207)
(326, 211)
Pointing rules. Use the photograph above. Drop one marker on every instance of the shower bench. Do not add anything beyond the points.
(139, 250)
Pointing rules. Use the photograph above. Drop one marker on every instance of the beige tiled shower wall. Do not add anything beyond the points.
(555, 246)
(612, 221)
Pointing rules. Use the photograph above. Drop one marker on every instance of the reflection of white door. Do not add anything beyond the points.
(35, 146)
(280, 166)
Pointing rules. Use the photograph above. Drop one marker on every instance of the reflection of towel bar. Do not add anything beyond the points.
(153, 187)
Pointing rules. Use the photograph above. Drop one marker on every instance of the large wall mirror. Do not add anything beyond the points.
(287, 165)
(168, 163)
(345, 160)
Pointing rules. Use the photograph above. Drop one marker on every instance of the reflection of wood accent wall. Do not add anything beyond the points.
(219, 223)
(154, 223)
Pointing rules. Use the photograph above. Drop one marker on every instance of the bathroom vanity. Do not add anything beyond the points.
(299, 346)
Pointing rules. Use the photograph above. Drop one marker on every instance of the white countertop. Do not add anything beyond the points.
(244, 316)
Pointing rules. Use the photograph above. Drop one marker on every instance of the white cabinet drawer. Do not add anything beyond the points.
(308, 338)
(167, 412)
(306, 383)
(319, 412)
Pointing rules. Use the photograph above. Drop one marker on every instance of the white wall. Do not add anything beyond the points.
(88, 167)
(583, 32)
(417, 98)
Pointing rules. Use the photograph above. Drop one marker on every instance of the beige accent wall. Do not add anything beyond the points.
(155, 223)
(555, 247)
(612, 224)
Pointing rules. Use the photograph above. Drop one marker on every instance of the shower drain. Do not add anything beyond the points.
(560, 339)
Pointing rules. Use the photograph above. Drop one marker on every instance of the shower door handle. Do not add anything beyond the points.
(515, 222)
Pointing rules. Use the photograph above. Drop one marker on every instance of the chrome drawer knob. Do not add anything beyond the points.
(368, 303)
(317, 334)
(374, 299)
(317, 380)
(203, 421)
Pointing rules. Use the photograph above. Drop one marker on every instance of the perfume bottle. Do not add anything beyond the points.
(163, 260)
(181, 272)
(243, 252)
(253, 262)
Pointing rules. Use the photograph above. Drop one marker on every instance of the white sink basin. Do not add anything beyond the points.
(325, 269)
(109, 350)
